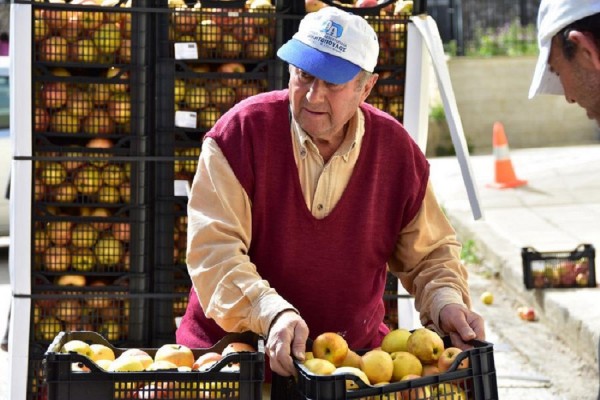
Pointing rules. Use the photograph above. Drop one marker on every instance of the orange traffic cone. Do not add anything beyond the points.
(504, 174)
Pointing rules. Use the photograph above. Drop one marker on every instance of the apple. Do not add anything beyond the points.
(178, 354)
(160, 365)
(101, 214)
(124, 51)
(405, 363)
(448, 356)
(388, 85)
(319, 366)
(40, 30)
(208, 357)
(108, 251)
(208, 34)
(40, 241)
(246, 90)
(353, 359)
(330, 346)
(101, 352)
(313, 5)
(84, 235)
(261, 10)
(582, 279)
(237, 347)
(230, 47)
(232, 68)
(121, 231)
(244, 32)
(90, 20)
(430, 369)
(426, 344)
(119, 107)
(70, 280)
(127, 363)
(84, 51)
(77, 346)
(449, 391)
(98, 122)
(397, 36)
(53, 173)
(350, 383)
(196, 97)
(207, 117)
(125, 191)
(99, 93)
(423, 392)
(59, 232)
(83, 259)
(54, 94)
(79, 104)
(107, 38)
(48, 327)
(395, 340)
(487, 298)
(57, 259)
(259, 48)
(108, 194)
(222, 97)
(63, 121)
(65, 193)
(184, 19)
(68, 310)
(527, 313)
(54, 49)
(118, 74)
(377, 365)
(41, 119)
(87, 180)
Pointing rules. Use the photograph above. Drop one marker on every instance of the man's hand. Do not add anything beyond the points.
(287, 337)
(462, 324)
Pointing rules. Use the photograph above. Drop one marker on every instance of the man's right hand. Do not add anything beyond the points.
(287, 337)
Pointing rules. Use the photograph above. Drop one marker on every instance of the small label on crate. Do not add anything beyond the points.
(181, 188)
(186, 51)
(186, 119)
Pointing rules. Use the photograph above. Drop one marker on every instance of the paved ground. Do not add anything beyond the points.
(558, 209)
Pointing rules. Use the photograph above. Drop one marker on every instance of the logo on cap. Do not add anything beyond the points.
(332, 29)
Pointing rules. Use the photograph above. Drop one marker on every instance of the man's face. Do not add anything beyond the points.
(580, 77)
(322, 109)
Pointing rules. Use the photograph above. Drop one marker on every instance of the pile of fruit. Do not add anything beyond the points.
(561, 273)
(168, 357)
(403, 355)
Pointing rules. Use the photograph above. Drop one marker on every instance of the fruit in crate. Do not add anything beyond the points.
(57, 259)
(395, 340)
(87, 180)
(422, 392)
(208, 34)
(259, 48)
(111, 330)
(68, 310)
(84, 235)
(426, 344)
(405, 363)
(178, 354)
(101, 352)
(160, 365)
(47, 328)
(330, 346)
(319, 366)
(353, 359)
(351, 384)
(210, 357)
(53, 49)
(107, 38)
(139, 354)
(449, 391)
(112, 175)
(108, 250)
(126, 363)
(377, 365)
(77, 346)
(448, 356)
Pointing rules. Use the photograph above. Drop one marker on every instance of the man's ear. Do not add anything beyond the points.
(588, 46)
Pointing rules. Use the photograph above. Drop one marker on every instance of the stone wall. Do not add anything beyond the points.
(496, 89)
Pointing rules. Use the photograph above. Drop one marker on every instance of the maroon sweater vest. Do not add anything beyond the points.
(333, 270)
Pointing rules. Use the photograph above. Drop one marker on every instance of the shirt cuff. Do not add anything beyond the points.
(267, 309)
(443, 297)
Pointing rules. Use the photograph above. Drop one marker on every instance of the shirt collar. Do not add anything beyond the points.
(356, 131)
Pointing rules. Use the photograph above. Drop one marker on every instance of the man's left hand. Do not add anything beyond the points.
(462, 324)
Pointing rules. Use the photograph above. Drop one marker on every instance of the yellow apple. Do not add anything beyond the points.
(319, 366)
(77, 346)
(449, 391)
(395, 340)
(178, 354)
(352, 359)
(104, 364)
(426, 344)
(487, 298)
(101, 352)
(377, 365)
(159, 365)
(430, 369)
(405, 363)
(330, 346)
(127, 363)
(144, 358)
(351, 384)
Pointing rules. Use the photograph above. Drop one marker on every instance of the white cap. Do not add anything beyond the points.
(553, 16)
(332, 45)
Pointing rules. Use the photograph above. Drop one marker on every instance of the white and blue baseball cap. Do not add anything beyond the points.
(553, 16)
(332, 45)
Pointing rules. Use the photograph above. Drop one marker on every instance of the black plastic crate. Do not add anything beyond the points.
(65, 384)
(477, 381)
(559, 269)
(84, 33)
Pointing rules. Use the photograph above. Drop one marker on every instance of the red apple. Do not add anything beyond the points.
(330, 346)
(447, 358)
(209, 357)
(54, 49)
(232, 68)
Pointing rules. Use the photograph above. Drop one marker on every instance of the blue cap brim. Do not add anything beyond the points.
(322, 65)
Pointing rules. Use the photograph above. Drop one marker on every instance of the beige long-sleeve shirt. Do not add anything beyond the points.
(228, 284)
